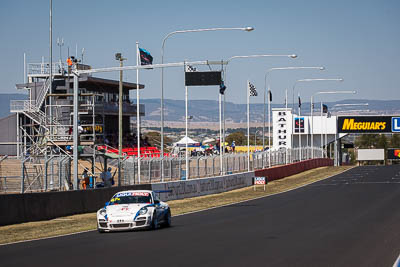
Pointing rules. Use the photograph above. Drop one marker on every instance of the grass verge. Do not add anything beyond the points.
(86, 222)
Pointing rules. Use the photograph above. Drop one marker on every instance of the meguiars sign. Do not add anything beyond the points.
(365, 124)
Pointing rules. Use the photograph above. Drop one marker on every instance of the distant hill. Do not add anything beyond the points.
(5, 102)
(207, 110)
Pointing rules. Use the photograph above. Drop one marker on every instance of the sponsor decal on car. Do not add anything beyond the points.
(138, 194)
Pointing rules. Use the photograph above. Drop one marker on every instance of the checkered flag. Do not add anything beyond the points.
(252, 89)
(190, 68)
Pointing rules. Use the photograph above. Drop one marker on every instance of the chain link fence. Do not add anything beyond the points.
(54, 173)
(35, 175)
(209, 166)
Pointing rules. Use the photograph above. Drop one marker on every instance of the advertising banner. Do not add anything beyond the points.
(259, 180)
(282, 128)
(371, 154)
(396, 124)
(299, 125)
(365, 124)
(393, 153)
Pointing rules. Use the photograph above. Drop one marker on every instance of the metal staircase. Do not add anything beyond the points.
(32, 108)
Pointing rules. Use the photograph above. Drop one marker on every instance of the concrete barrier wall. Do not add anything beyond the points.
(279, 172)
(18, 208)
(203, 186)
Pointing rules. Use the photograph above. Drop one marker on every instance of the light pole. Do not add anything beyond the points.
(312, 118)
(119, 57)
(352, 105)
(294, 85)
(186, 135)
(269, 102)
(293, 56)
(352, 111)
(247, 29)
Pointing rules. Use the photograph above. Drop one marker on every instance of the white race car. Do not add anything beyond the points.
(134, 209)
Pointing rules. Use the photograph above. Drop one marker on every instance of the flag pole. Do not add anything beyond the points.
(269, 126)
(322, 142)
(220, 134)
(186, 132)
(248, 126)
(286, 100)
(286, 110)
(138, 109)
(299, 121)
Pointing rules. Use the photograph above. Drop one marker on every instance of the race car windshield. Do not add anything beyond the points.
(130, 200)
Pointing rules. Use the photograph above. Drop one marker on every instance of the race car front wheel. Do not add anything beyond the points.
(167, 219)
(154, 222)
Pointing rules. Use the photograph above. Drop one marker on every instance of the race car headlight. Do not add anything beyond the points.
(143, 211)
(103, 212)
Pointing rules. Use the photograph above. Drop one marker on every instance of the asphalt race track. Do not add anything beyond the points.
(351, 219)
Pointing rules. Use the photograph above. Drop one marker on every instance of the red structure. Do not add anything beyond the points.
(279, 172)
(145, 152)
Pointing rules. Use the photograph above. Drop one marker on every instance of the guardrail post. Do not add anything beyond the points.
(170, 168)
(23, 177)
(179, 168)
(149, 162)
(206, 167)
(229, 163)
(59, 173)
(188, 169)
(213, 166)
(262, 160)
(134, 170)
(45, 172)
(198, 167)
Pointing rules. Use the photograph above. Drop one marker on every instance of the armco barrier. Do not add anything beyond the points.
(18, 208)
(279, 172)
(203, 186)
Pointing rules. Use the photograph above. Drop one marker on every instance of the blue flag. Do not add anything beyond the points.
(324, 108)
(145, 57)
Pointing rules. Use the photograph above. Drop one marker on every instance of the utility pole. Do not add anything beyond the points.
(119, 57)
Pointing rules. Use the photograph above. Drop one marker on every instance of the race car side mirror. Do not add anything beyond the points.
(107, 203)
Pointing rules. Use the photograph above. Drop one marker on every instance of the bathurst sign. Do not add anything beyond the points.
(365, 124)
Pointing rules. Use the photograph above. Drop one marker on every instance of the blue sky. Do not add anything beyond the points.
(356, 40)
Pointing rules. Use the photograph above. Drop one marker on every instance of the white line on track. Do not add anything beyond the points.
(358, 183)
(226, 205)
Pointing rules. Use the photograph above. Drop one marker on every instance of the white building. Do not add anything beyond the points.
(314, 131)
